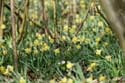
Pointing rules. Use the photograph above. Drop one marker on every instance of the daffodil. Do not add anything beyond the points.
(38, 35)
(63, 38)
(69, 80)
(52, 81)
(2, 26)
(1, 45)
(65, 28)
(90, 79)
(63, 80)
(87, 40)
(69, 65)
(10, 68)
(66, 3)
(98, 52)
(36, 42)
(102, 78)
(74, 39)
(82, 1)
(57, 51)
(108, 57)
(90, 69)
(35, 51)
(4, 52)
(94, 29)
(51, 40)
(91, 66)
(82, 4)
(28, 50)
(2, 69)
(108, 30)
(100, 24)
(31, 23)
(45, 47)
(97, 39)
(78, 46)
(77, 16)
(92, 4)
(22, 80)
(99, 7)
(106, 43)
(82, 39)
(78, 19)
(74, 26)
(72, 30)
(6, 72)
(20, 30)
(92, 18)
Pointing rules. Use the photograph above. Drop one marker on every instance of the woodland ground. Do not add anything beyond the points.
(59, 41)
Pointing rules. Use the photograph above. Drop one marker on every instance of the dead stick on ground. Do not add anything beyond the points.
(14, 35)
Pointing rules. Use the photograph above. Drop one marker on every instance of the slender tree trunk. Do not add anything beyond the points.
(14, 35)
(112, 10)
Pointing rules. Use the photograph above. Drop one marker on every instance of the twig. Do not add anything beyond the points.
(45, 21)
(15, 12)
(74, 2)
(55, 16)
(14, 35)
(102, 15)
(21, 36)
(1, 17)
(82, 23)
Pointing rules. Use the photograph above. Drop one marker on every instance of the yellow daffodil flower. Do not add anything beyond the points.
(52, 81)
(2, 26)
(22, 80)
(10, 68)
(57, 51)
(28, 50)
(98, 52)
(74, 39)
(36, 42)
(100, 24)
(108, 58)
(102, 78)
(69, 65)
(63, 80)
(78, 46)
